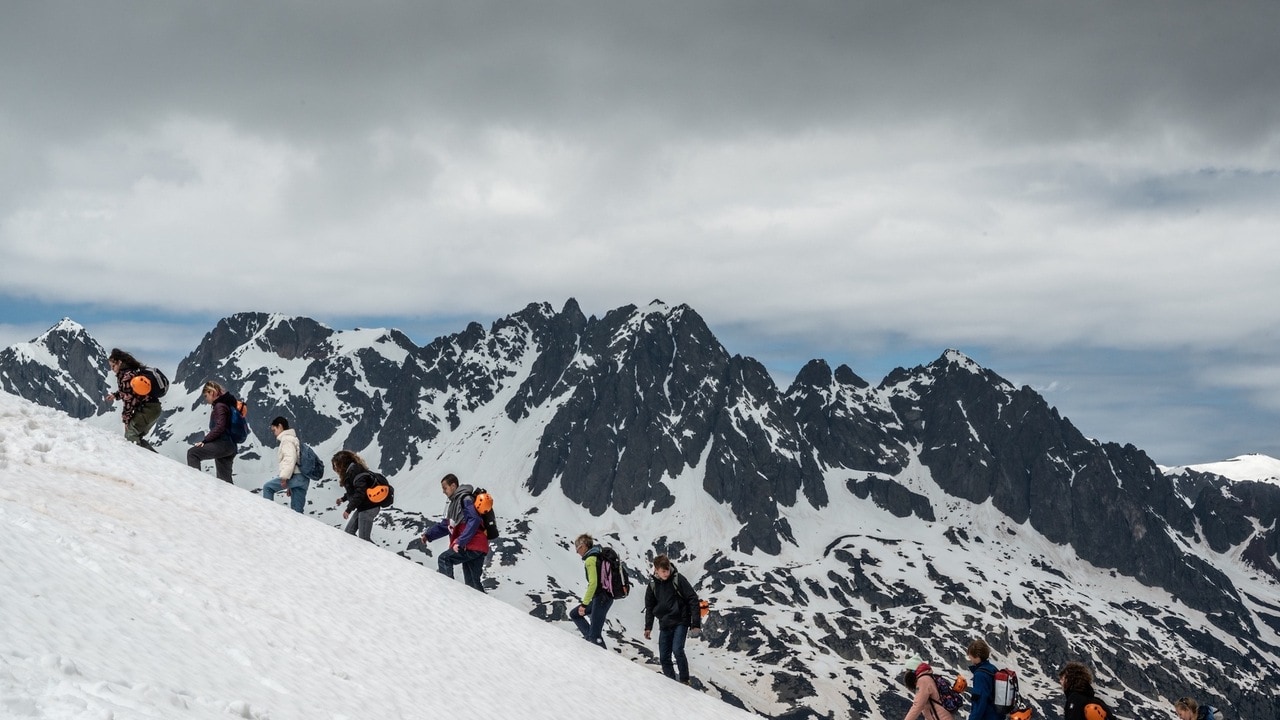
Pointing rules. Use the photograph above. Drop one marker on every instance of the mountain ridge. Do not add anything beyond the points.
(642, 424)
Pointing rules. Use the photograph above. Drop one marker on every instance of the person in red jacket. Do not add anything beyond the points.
(468, 544)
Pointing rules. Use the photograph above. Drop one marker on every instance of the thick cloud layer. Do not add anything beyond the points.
(839, 179)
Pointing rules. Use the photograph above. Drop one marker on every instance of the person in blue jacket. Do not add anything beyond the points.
(982, 690)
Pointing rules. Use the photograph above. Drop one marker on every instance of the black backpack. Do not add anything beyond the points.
(613, 574)
(379, 492)
(484, 507)
(159, 381)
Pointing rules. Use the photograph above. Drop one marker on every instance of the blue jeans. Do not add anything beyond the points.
(671, 642)
(297, 491)
(592, 626)
(472, 562)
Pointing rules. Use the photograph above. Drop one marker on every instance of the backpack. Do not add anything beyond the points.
(379, 492)
(238, 427)
(484, 506)
(613, 574)
(1211, 712)
(1004, 690)
(309, 464)
(149, 382)
(704, 605)
(948, 697)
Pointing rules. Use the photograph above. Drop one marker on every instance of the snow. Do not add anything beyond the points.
(1256, 467)
(133, 587)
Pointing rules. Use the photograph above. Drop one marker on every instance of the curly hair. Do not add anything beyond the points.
(1076, 677)
(344, 459)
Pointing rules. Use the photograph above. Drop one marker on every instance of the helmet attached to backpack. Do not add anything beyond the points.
(140, 385)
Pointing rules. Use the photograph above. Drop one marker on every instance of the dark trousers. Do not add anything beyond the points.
(592, 626)
(221, 452)
(671, 643)
(472, 562)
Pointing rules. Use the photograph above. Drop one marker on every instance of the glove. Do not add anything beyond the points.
(695, 632)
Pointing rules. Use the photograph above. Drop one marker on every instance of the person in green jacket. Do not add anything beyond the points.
(592, 610)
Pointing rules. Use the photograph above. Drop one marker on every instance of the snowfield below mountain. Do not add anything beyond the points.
(133, 587)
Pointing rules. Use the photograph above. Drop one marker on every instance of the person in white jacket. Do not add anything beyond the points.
(289, 476)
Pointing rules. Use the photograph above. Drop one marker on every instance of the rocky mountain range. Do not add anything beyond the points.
(839, 527)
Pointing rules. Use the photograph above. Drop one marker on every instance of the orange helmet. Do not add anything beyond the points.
(140, 385)
(377, 493)
(1022, 713)
(484, 503)
(1094, 711)
(960, 684)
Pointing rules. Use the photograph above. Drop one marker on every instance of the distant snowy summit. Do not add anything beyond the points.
(1254, 466)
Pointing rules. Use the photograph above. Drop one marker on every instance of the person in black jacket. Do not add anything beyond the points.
(217, 444)
(673, 601)
(1080, 703)
(354, 478)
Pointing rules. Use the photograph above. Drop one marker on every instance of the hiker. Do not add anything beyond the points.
(927, 703)
(1080, 702)
(141, 406)
(595, 602)
(673, 601)
(468, 544)
(982, 690)
(354, 477)
(289, 475)
(1189, 709)
(217, 444)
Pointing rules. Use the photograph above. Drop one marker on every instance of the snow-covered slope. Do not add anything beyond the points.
(133, 587)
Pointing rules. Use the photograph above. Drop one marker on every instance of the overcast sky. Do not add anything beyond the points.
(1081, 196)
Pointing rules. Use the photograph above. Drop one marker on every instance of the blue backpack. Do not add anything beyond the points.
(309, 464)
(238, 428)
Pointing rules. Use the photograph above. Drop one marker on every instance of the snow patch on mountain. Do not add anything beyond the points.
(1255, 467)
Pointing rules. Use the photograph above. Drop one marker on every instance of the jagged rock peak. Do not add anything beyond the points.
(65, 326)
(955, 358)
(955, 361)
(818, 374)
(846, 376)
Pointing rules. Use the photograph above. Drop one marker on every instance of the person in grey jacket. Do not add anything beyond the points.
(289, 476)
(674, 603)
